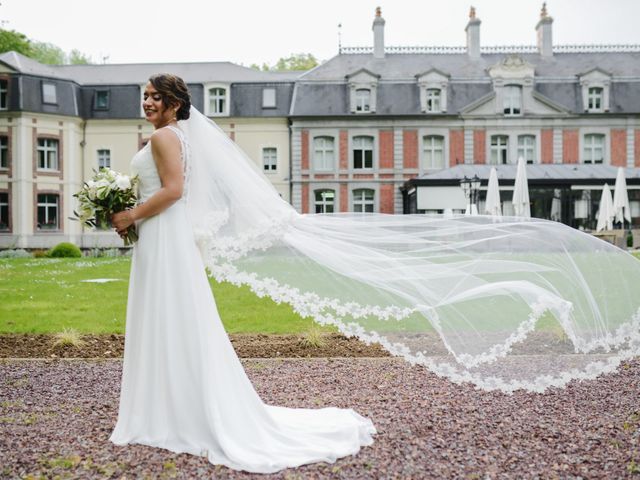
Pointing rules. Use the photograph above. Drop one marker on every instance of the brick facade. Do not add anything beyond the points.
(344, 150)
(546, 145)
(386, 148)
(386, 198)
(479, 146)
(570, 146)
(410, 148)
(305, 198)
(344, 198)
(304, 145)
(456, 147)
(619, 148)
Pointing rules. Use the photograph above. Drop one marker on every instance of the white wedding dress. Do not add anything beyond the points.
(183, 387)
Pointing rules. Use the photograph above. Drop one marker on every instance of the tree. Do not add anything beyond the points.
(296, 61)
(47, 53)
(76, 57)
(10, 40)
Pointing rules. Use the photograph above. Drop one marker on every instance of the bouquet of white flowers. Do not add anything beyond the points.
(108, 192)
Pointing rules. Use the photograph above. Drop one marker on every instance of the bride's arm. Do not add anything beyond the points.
(165, 148)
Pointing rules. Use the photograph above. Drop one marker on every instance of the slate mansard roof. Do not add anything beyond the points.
(76, 86)
(324, 90)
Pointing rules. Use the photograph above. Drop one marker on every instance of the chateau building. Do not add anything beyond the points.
(368, 121)
(384, 129)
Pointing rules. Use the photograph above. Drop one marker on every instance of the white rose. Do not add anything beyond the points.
(91, 184)
(102, 183)
(123, 182)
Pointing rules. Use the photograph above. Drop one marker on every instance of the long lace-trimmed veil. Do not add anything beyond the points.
(501, 302)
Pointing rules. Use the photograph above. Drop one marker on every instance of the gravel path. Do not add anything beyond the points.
(56, 417)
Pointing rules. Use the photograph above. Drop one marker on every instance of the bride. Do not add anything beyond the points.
(504, 303)
(183, 387)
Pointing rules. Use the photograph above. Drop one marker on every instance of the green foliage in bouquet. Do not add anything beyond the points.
(108, 192)
(65, 250)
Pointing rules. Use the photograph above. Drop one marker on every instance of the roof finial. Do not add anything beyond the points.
(472, 12)
(543, 11)
(378, 12)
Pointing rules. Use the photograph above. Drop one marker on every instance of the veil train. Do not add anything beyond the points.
(506, 304)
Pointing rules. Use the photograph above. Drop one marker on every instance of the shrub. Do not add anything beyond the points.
(40, 253)
(14, 253)
(65, 249)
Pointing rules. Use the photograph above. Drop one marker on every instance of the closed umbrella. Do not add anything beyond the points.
(605, 212)
(556, 206)
(521, 205)
(621, 199)
(492, 204)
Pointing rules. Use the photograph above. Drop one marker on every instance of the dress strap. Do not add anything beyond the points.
(184, 156)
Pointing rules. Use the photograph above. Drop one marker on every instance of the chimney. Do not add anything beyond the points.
(378, 34)
(473, 34)
(543, 30)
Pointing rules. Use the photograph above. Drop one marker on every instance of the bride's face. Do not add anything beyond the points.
(155, 111)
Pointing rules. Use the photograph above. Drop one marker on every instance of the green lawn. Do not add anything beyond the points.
(48, 295)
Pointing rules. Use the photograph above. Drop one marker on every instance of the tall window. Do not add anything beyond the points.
(593, 148)
(49, 93)
(104, 158)
(433, 151)
(594, 99)
(362, 152)
(217, 100)
(4, 92)
(47, 154)
(323, 153)
(268, 98)
(4, 151)
(512, 100)
(499, 150)
(527, 148)
(433, 100)
(101, 100)
(4, 211)
(325, 201)
(363, 200)
(48, 211)
(363, 100)
(269, 159)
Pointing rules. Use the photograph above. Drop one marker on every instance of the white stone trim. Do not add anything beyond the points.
(227, 103)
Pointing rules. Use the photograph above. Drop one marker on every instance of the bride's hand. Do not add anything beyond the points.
(121, 221)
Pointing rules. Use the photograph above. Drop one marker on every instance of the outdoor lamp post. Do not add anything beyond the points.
(471, 189)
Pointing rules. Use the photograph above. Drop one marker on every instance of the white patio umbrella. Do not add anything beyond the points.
(521, 192)
(492, 204)
(605, 212)
(621, 199)
(556, 206)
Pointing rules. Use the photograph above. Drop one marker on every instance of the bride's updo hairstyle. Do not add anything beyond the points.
(173, 91)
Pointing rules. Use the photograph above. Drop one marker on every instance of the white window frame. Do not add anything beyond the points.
(433, 99)
(100, 156)
(5, 204)
(48, 150)
(269, 161)
(354, 145)
(323, 203)
(363, 100)
(46, 206)
(499, 148)
(595, 79)
(269, 97)
(49, 93)
(207, 99)
(512, 100)
(322, 162)
(4, 94)
(588, 145)
(429, 149)
(4, 151)
(595, 94)
(361, 200)
(524, 149)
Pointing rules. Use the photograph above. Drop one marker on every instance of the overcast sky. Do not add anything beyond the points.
(257, 31)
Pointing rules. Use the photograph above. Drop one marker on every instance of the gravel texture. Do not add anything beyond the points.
(56, 416)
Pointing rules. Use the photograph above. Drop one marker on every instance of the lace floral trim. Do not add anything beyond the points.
(185, 155)
(327, 311)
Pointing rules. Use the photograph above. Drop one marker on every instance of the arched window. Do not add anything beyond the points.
(433, 100)
(362, 152)
(217, 100)
(325, 201)
(512, 100)
(593, 151)
(323, 153)
(527, 148)
(499, 150)
(363, 200)
(433, 148)
(363, 100)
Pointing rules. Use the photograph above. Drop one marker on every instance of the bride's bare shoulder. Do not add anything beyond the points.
(164, 138)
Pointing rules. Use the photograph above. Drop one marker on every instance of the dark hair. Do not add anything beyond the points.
(174, 92)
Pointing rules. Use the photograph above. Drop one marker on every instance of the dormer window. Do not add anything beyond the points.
(433, 100)
(268, 98)
(216, 101)
(49, 93)
(594, 99)
(512, 100)
(4, 89)
(363, 100)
